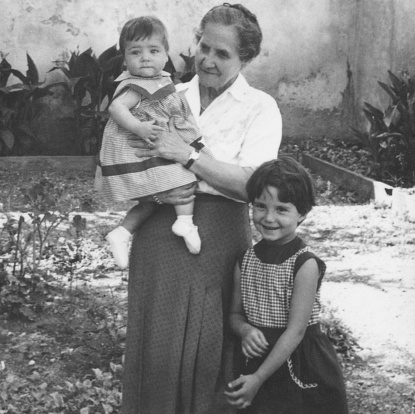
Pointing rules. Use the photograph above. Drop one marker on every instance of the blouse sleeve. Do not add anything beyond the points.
(263, 134)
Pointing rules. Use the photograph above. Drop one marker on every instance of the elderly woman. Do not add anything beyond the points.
(179, 349)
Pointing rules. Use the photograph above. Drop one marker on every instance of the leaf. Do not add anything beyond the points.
(19, 75)
(32, 73)
(392, 116)
(58, 399)
(7, 137)
(389, 90)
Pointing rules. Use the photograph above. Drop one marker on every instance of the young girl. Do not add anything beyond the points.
(143, 104)
(286, 364)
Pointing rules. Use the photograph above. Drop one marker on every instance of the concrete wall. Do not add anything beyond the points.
(321, 59)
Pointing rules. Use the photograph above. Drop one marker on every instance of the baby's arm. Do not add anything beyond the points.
(305, 288)
(120, 112)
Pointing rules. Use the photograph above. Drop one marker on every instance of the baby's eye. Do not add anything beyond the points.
(258, 205)
(154, 51)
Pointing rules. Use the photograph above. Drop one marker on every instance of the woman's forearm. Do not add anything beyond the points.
(227, 178)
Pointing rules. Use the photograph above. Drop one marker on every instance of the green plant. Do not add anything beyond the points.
(24, 286)
(391, 137)
(91, 83)
(18, 108)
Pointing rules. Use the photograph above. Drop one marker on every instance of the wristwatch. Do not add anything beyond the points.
(194, 156)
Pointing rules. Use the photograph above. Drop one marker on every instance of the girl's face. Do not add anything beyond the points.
(275, 220)
(145, 57)
(217, 60)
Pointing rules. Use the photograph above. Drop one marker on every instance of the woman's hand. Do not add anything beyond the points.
(167, 145)
(180, 195)
(254, 343)
(243, 390)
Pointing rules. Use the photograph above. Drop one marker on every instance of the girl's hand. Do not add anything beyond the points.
(148, 131)
(242, 391)
(180, 195)
(254, 343)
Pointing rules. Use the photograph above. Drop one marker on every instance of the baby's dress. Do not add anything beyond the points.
(121, 175)
(311, 381)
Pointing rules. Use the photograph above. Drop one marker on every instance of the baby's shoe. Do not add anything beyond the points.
(190, 234)
(119, 240)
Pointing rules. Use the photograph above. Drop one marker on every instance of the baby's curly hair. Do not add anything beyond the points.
(291, 179)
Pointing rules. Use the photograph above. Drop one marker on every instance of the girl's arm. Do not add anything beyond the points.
(253, 340)
(120, 112)
(304, 291)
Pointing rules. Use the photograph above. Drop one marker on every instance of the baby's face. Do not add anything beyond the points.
(145, 57)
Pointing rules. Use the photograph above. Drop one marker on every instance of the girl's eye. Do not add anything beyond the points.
(154, 51)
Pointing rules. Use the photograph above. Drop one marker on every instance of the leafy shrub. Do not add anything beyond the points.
(391, 137)
(98, 394)
(18, 107)
(24, 286)
(91, 82)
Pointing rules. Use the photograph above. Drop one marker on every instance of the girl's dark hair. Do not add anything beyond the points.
(245, 23)
(291, 179)
(141, 28)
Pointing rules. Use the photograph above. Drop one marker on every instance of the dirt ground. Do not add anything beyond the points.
(369, 287)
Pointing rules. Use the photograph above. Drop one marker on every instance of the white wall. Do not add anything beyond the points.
(307, 46)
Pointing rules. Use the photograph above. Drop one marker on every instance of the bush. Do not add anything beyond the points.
(391, 137)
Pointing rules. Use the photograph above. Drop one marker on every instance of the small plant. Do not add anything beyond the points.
(91, 82)
(391, 137)
(18, 107)
(24, 286)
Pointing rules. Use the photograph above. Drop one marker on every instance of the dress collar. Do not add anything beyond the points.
(239, 91)
(127, 75)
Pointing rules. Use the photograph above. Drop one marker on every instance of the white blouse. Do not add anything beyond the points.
(242, 126)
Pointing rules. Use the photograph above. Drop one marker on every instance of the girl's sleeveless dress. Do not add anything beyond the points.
(311, 381)
(121, 175)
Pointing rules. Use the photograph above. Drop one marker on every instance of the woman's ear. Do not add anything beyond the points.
(245, 64)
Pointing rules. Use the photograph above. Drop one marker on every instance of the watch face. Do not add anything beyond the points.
(195, 155)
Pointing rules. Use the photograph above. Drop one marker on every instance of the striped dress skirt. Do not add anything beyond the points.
(179, 350)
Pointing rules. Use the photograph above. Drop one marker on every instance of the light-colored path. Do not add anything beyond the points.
(370, 281)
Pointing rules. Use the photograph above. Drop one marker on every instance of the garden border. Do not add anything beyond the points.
(365, 187)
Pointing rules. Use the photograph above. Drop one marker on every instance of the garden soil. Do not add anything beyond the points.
(369, 288)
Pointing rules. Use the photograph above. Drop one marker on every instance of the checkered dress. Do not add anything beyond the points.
(267, 288)
(121, 175)
(311, 380)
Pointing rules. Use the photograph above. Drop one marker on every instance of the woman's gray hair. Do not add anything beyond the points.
(245, 23)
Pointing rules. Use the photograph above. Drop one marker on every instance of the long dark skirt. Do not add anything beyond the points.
(314, 385)
(179, 352)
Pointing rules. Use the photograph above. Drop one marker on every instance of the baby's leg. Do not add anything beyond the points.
(185, 228)
(119, 238)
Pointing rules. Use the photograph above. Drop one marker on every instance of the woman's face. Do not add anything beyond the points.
(217, 60)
